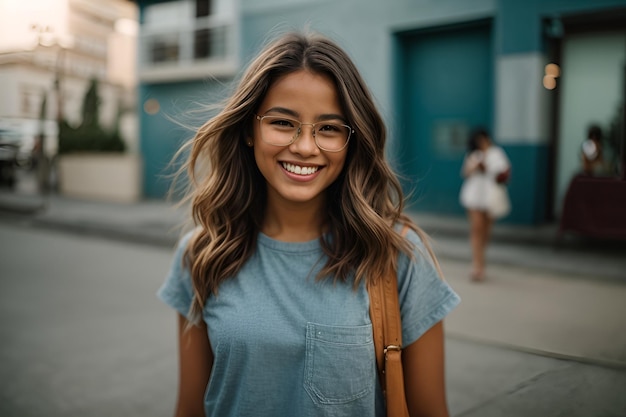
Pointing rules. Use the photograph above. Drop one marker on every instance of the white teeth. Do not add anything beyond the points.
(297, 169)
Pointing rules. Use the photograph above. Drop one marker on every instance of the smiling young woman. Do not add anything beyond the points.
(299, 212)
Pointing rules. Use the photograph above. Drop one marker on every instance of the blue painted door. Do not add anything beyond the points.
(445, 90)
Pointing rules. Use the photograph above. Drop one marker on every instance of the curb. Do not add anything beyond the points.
(107, 231)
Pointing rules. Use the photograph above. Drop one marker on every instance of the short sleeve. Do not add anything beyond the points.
(500, 162)
(425, 298)
(177, 291)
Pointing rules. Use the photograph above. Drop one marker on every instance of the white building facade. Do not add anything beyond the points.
(52, 49)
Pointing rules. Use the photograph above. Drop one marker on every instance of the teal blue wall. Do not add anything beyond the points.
(528, 185)
(163, 133)
(520, 22)
(142, 5)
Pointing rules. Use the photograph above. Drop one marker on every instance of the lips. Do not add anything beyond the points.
(299, 169)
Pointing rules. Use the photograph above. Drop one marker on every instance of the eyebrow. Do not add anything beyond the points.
(321, 117)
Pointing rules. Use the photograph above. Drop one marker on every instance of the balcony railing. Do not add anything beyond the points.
(186, 53)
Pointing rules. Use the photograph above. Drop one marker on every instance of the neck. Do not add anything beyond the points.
(294, 222)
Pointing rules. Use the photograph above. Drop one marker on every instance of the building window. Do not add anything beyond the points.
(202, 43)
(210, 43)
(164, 49)
(188, 32)
(203, 8)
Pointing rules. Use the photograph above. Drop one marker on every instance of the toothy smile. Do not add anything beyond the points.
(299, 170)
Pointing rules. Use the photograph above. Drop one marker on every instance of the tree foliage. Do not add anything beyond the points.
(90, 136)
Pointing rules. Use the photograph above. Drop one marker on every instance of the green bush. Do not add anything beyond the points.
(88, 139)
(89, 136)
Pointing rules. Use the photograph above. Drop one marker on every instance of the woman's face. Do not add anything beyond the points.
(300, 172)
(483, 142)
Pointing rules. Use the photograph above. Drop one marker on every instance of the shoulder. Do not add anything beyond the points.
(181, 247)
(184, 240)
(421, 251)
(416, 238)
(425, 297)
(498, 150)
(413, 237)
(497, 154)
(419, 242)
(177, 289)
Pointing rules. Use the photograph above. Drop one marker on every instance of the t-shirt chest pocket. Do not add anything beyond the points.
(340, 365)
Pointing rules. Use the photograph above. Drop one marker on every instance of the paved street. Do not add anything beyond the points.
(83, 334)
(533, 343)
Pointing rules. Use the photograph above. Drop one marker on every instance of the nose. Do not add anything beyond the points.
(305, 140)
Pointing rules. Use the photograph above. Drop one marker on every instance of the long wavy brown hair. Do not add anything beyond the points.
(228, 193)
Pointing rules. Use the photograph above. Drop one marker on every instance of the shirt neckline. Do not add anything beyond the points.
(294, 247)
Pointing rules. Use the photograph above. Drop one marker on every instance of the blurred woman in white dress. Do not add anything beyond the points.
(486, 171)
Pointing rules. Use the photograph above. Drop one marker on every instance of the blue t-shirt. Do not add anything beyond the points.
(286, 344)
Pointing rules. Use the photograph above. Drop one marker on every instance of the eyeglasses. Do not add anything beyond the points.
(282, 131)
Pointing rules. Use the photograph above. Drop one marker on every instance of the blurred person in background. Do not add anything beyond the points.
(486, 171)
(591, 153)
(299, 212)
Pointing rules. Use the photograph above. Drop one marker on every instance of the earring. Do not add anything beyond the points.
(249, 143)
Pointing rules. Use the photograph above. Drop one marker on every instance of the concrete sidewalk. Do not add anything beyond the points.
(150, 221)
(53, 208)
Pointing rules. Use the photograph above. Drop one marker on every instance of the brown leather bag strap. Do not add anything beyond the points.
(387, 333)
(375, 291)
